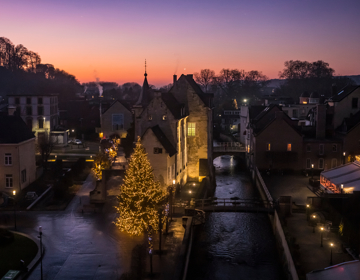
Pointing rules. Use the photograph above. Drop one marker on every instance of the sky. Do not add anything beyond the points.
(110, 39)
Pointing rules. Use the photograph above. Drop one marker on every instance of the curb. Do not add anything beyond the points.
(30, 267)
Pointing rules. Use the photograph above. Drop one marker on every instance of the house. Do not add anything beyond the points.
(17, 149)
(41, 114)
(176, 130)
(230, 120)
(116, 120)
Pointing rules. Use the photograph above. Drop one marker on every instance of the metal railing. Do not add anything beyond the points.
(232, 203)
(228, 147)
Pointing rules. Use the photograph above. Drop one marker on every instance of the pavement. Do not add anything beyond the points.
(310, 256)
(87, 245)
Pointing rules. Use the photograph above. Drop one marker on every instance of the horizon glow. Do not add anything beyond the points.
(110, 40)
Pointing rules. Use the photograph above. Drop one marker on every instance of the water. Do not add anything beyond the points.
(234, 245)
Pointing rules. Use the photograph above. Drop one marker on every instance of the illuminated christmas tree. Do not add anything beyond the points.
(140, 195)
(101, 162)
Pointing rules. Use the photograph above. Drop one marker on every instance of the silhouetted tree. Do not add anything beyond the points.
(205, 78)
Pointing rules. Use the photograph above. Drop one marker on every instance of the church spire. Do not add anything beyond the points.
(145, 69)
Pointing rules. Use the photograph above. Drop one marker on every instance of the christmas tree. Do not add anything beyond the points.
(140, 195)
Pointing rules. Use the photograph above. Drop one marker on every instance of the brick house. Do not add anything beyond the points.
(17, 149)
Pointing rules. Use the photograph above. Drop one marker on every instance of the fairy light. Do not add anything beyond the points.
(140, 196)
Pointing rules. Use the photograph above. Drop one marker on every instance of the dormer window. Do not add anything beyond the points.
(164, 117)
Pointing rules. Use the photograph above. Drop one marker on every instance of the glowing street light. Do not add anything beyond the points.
(342, 188)
(307, 212)
(14, 193)
(314, 223)
(331, 246)
(312, 171)
(321, 243)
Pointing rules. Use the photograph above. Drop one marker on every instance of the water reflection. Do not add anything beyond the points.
(233, 245)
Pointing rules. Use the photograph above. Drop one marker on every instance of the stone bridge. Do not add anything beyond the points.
(228, 148)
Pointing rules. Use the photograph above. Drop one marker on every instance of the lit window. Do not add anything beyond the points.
(8, 181)
(117, 122)
(8, 159)
(288, 147)
(191, 129)
(268, 146)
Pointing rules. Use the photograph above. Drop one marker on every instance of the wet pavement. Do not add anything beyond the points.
(88, 245)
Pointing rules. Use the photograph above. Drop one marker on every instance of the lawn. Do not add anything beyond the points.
(22, 248)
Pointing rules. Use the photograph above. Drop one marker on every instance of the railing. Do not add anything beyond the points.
(233, 203)
(228, 147)
(265, 189)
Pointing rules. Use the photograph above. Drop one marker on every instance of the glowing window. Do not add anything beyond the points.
(191, 129)
(288, 148)
(268, 146)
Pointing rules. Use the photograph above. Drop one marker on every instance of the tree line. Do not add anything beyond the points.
(21, 72)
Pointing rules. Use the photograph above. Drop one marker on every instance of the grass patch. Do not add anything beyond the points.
(22, 248)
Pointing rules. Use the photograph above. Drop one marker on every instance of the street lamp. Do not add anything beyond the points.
(342, 188)
(314, 217)
(14, 193)
(321, 243)
(41, 251)
(312, 171)
(344, 156)
(307, 212)
(331, 246)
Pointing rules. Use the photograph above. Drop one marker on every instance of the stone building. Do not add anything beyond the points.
(176, 130)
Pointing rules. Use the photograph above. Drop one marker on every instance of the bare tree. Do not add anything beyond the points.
(45, 146)
(205, 78)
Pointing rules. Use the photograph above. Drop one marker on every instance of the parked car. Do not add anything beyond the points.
(77, 142)
(31, 196)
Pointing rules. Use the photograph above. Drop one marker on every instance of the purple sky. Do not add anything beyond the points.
(111, 39)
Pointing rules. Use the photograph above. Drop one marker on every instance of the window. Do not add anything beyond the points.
(308, 163)
(40, 100)
(41, 123)
(17, 100)
(8, 159)
(268, 146)
(321, 149)
(157, 150)
(40, 110)
(321, 163)
(8, 181)
(191, 129)
(28, 100)
(334, 147)
(117, 121)
(23, 176)
(29, 110)
(308, 148)
(333, 162)
(288, 148)
(354, 103)
(164, 117)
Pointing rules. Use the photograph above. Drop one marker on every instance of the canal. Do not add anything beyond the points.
(234, 245)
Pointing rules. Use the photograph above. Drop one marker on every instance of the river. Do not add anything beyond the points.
(234, 245)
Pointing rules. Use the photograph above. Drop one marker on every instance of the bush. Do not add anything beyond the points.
(6, 237)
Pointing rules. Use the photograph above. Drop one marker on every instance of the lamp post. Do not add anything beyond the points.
(307, 212)
(344, 156)
(331, 246)
(312, 171)
(342, 188)
(314, 223)
(14, 193)
(41, 252)
(321, 243)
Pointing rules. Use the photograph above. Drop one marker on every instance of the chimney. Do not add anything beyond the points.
(174, 79)
(320, 121)
(190, 76)
(11, 110)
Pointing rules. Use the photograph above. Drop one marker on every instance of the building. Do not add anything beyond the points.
(176, 130)
(41, 114)
(17, 149)
(230, 120)
(116, 120)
